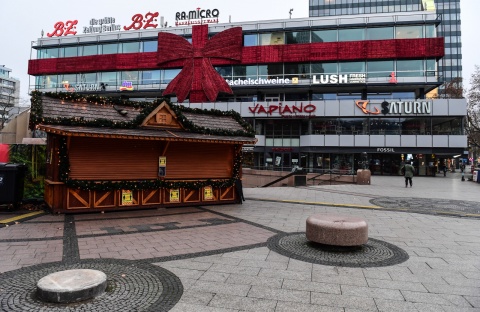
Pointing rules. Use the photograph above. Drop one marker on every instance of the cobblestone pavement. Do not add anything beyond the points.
(423, 252)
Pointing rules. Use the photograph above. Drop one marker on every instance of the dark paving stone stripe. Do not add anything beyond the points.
(71, 253)
(132, 286)
(243, 220)
(204, 253)
(375, 253)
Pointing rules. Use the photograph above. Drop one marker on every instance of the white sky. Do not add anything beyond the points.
(21, 22)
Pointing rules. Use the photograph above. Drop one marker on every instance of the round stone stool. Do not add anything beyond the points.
(71, 285)
(337, 230)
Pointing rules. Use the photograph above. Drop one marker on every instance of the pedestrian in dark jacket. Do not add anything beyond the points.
(408, 171)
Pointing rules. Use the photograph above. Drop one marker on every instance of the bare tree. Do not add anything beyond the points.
(473, 109)
(7, 102)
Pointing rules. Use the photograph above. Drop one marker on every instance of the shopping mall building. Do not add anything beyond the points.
(319, 91)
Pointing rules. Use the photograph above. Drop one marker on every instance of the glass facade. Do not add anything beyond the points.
(450, 66)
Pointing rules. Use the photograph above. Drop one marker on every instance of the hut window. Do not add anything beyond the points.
(162, 118)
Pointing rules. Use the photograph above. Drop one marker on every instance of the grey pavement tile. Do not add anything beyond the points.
(474, 301)
(428, 307)
(279, 294)
(273, 256)
(385, 305)
(311, 286)
(391, 294)
(235, 269)
(339, 279)
(274, 265)
(344, 301)
(244, 254)
(377, 274)
(220, 288)
(185, 273)
(454, 290)
(197, 297)
(462, 281)
(401, 285)
(242, 303)
(218, 259)
(215, 276)
(297, 265)
(274, 282)
(283, 306)
(294, 275)
(186, 264)
(186, 307)
(440, 299)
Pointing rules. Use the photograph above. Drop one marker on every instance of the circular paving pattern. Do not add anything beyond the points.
(429, 205)
(131, 286)
(375, 253)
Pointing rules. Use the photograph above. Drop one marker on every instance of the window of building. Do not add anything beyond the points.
(149, 46)
(297, 37)
(329, 35)
(244, 72)
(108, 78)
(170, 74)
(68, 52)
(324, 68)
(379, 68)
(110, 48)
(352, 34)
(129, 47)
(272, 38)
(409, 68)
(150, 77)
(351, 67)
(379, 33)
(250, 40)
(406, 32)
(90, 50)
(297, 70)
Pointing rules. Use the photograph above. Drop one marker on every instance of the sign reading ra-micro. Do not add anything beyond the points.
(204, 16)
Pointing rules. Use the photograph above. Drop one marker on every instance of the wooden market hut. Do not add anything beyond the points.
(112, 154)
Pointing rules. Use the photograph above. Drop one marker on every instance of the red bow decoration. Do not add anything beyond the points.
(198, 77)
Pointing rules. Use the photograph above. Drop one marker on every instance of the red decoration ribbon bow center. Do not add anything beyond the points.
(198, 77)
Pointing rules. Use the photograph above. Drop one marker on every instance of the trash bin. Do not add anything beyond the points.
(478, 175)
(300, 180)
(11, 183)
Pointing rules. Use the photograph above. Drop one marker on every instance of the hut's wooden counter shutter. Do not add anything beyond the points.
(118, 159)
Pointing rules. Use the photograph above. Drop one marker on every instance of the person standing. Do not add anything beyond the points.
(408, 171)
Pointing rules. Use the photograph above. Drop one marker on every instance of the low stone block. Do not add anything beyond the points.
(337, 230)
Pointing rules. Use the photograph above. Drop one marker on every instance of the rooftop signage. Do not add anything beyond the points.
(106, 24)
(258, 81)
(198, 16)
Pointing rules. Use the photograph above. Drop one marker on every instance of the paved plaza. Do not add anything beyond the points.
(423, 252)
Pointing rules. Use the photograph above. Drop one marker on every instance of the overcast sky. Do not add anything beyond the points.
(22, 22)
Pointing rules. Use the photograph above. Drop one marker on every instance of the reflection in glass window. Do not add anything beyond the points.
(250, 40)
(351, 67)
(150, 46)
(150, 77)
(379, 33)
(130, 47)
(431, 70)
(298, 70)
(111, 48)
(69, 52)
(90, 50)
(170, 74)
(429, 31)
(379, 68)
(70, 79)
(324, 68)
(49, 53)
(224, 71)
(410, 68)
(406, 32)
(272, 38)
(354, 34)
(87, 78)
(329, 35)
(50, 81)
(245, 71)
(129, 76)
(108, 78)
(297, 37)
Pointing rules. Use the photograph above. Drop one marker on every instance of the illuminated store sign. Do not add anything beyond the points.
(126, 86)
(396, 107)
(81, 87)
(335, 79)
(259, 81)
(282, 109)
(197, 16)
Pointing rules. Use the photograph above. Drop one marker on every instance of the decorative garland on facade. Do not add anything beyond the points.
(36, 115)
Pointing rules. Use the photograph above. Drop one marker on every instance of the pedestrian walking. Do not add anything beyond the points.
(408, 171)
